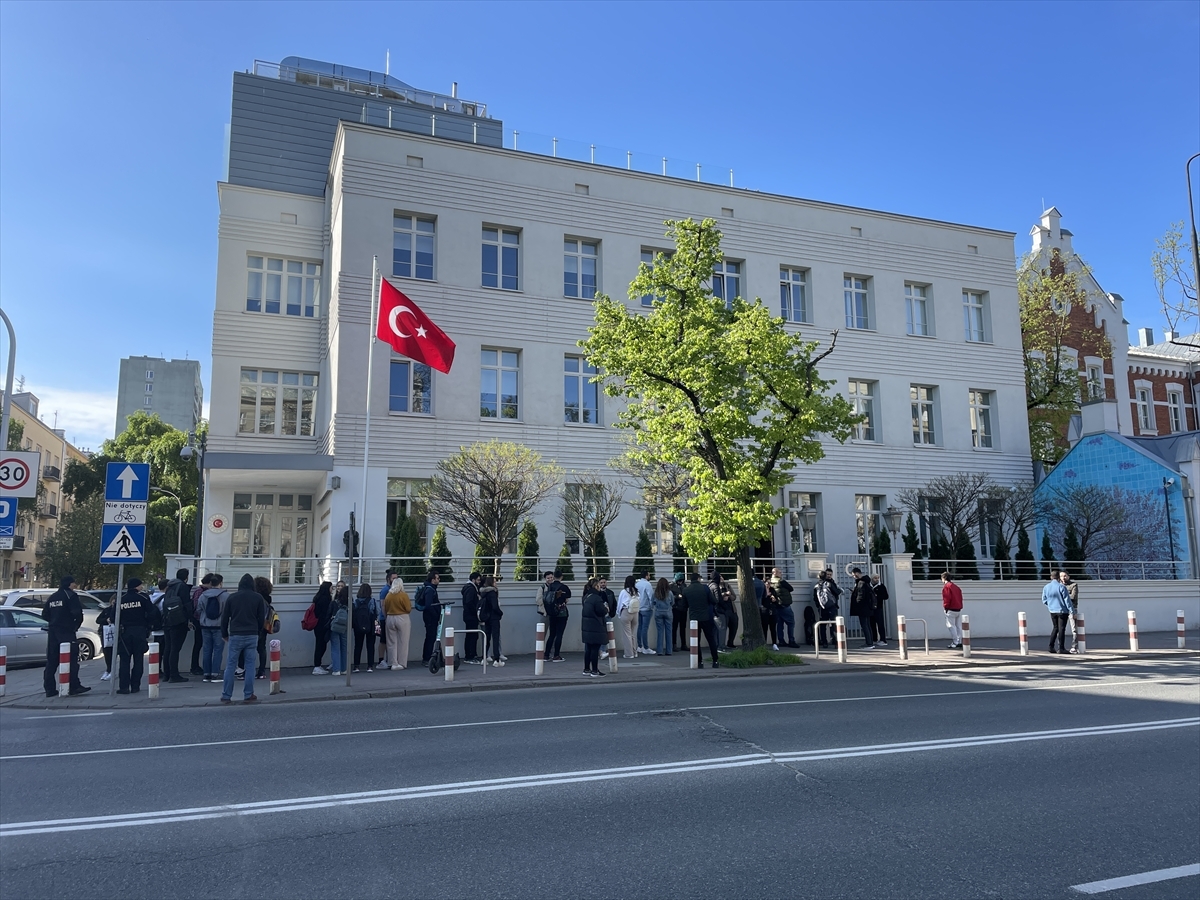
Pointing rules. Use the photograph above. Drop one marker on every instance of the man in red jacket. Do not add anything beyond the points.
(952, 604)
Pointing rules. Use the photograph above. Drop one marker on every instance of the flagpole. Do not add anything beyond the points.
(362, 525)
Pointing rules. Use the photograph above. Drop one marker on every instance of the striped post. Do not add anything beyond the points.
(902, 635)
(612, 647)
(275, 686)
(1133, 637)
(966, 641)
(3, 668)
(1080, 635)
(694, 643)
(152, 672)
(1023, 633)
(448, 652)
(841, 638)
(64, 669)
(539, 646)
(1179, 639)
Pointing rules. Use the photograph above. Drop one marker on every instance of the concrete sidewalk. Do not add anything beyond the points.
(24, 688)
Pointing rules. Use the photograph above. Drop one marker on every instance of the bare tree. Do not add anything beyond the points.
(657, 484)
(1015, 506)
(958, 498)
(1175, 280)
(1113, 524)
(485, 490)
(590, 504)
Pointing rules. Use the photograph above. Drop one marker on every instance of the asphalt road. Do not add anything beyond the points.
(1013, 782)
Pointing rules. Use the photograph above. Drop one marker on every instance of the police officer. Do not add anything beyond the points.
(138, 616)
(64, 615)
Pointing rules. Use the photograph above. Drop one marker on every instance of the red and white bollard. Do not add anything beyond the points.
(966, 638)
(3, 668)
(152, 672)
(1080, 635)
(64, 669)
(1133, 637)
(612, 647)
(275, 686)
(841, 638)
(539, 650)
(902, 635)
(1023, 633)
(1179, 638)
(694, 643)
(448, 652)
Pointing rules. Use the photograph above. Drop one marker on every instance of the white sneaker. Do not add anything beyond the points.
(320, 670)
(881, 643)
(774, 646)
(604, 654)
(498, 662)
(649, 652)
(383, 666)
(503, 658)
(108, 675)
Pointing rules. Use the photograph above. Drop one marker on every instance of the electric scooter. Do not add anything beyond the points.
(437, 659)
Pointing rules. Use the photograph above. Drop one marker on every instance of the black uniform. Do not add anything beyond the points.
(64, 615)
(138, 616)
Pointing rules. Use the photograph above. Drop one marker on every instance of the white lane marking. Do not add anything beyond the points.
(681, 767)
(69, 715)
(335, 734)
(1115, 884)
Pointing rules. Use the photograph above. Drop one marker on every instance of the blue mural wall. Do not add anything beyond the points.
(1105, 460)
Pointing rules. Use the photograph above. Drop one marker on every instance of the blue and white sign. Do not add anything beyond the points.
(8, 522)
(123, 534)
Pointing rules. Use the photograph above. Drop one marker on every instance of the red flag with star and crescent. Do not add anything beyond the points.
(409, 331)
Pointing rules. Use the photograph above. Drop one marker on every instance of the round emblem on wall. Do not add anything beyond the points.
(218, 523)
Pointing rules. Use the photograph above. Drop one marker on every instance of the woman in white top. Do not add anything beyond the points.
(627, 613)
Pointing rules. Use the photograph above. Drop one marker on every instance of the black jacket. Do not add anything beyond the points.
(557, 595)
(138, 611)
(433, 605)
(698, 597)
(489, 605)
(471, 609)
(245, 610)
(592, 616)
(63, 611)
(862, 598)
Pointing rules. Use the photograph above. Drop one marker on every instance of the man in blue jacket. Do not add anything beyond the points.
(1058, 601)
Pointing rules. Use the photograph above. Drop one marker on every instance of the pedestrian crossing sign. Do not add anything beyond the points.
(122, 543)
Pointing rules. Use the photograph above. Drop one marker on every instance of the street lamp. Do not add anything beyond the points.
(194, 449)
(1167, 482)
(891, 521)
(808, 523)
(178, 516)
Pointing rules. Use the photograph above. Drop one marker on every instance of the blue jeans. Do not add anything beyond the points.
(214, 649)
(237, 644)
(643, 634)
(337, 649)
(785, 621)
(662, 633)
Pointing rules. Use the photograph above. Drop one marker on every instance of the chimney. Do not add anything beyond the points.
(1168, 336)
(1098, 417)
(1145, 337)
(454, 89)
(1067, 250)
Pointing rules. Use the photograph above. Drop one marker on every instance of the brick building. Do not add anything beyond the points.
(1164, 384)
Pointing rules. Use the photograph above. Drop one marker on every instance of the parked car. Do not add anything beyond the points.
(33, 600)
(23, 632)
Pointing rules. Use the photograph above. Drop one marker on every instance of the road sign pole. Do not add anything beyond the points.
(112, 676)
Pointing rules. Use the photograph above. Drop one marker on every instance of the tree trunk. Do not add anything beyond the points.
(752, 633)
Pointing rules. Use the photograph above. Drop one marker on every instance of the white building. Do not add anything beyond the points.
(498, 247)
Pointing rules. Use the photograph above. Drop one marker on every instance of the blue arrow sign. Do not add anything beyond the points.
(8, 516)
(122, 543)
(127, 481)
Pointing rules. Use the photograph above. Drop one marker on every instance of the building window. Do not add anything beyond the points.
(149, 388)
(274, 525)
(579, 268)
(581, 396)
(916, 308)
(1144, 409)
(923, 413)
(410, 388)
(149, 374)
(805, 542)
(277, 403)
(854, 290)
(981, 419)
(793, 295)
(148, 402)
(1095, 383)
(288, 286)
(402, 498)
(413, 246)
(862, 396)
(499, 381)
(866, 517)
(1175, 410)
(501, 258)
(975, 316)
(727, 281)
(989, 527)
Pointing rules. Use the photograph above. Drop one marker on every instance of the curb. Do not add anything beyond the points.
(807, 668)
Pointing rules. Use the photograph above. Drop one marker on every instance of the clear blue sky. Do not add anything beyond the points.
(112, 121)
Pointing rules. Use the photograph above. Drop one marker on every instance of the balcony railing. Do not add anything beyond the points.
(48, 511)
(51, 473)
(18, 542)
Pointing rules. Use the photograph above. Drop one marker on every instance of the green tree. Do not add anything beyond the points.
(965, 565)
(1072, 552)
(598, 561)
(406, 549)
(1026, 564)
(484, 491)
(439, 555)
(720, 388)
(527, 553)
(881, 545)
(643, 553)
(564, 563)
(1001, 566)
(912, 544)
(1048, 563)
(75, 548)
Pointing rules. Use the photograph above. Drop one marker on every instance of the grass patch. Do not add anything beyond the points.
(763, 656)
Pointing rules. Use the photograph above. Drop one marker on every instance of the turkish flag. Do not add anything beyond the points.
(411, 332)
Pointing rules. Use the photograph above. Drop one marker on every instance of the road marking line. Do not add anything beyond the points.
(335, 734)
(192, 814)
(1115, 884)
(69, 715)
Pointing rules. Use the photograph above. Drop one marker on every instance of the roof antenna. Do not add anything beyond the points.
(387, 65)
(1043, 204)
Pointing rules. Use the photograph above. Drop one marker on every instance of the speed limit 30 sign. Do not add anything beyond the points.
(19, 474)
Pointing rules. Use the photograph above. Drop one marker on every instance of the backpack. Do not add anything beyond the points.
(419, 600)
(337, 624)
(309, 622)
(174, 612)
(362, 614)
(541, 600)
(212, 607)
(271, 624)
